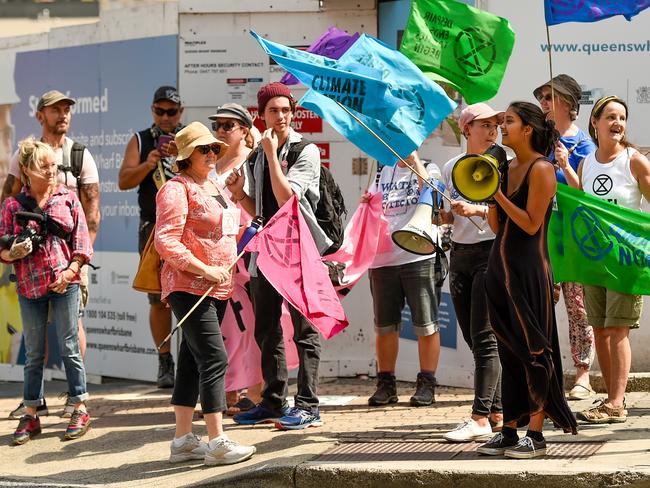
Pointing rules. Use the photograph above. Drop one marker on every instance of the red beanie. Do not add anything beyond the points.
(272, 90)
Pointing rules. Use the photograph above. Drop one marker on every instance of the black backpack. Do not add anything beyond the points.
(331, 209)
(76, 163)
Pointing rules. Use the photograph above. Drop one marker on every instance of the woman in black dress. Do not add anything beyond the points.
(519, 285)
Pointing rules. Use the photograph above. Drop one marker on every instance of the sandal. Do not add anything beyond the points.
(243, 405)
(580, 392)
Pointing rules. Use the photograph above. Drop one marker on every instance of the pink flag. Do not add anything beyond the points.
(238, 330)
(365, 235)
(288, 257)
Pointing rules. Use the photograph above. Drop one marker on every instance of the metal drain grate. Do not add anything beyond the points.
(439, 451)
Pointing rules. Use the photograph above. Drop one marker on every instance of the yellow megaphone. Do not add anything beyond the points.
(476, 177)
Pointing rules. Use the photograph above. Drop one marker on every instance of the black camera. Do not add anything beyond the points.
(28, 232)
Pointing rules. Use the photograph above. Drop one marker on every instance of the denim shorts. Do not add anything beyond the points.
(609, 308)
(394, 286)
(144, 231)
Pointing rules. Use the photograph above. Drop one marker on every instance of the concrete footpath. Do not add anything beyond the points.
(128, 445)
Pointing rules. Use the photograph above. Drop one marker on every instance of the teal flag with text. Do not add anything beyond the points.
(357, 86)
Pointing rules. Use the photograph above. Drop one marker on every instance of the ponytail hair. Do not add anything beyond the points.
(30, 154)
(544, 135)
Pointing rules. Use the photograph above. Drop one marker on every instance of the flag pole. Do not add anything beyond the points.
(550, 67)
(198, 302)
(370, 175)
(425, 180)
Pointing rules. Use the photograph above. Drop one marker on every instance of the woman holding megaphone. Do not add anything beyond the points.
(470, 250)
(519, 286)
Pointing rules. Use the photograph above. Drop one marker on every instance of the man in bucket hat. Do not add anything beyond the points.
(574, 145)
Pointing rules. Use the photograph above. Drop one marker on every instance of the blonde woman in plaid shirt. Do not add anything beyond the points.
(47, 277)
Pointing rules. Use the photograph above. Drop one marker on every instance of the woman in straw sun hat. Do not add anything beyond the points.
(196, 230)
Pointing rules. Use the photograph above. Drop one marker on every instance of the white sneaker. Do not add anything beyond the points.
(191, 448)
(222, 450)
(468, 431)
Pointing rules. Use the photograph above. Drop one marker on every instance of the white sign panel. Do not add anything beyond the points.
(215, 69)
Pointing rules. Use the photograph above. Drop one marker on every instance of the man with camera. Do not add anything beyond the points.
(78, 171)
(147, 165)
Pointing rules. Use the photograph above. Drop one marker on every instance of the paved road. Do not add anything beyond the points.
(358, 446)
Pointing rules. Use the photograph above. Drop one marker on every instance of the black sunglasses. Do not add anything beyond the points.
(226, 126)
(159, 111)
(215, 148)
(546, 98)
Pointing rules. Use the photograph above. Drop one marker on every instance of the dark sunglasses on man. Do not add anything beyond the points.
(226, 126)
(170, 112)
(215, 148)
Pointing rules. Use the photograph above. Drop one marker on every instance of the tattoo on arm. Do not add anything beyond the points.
(89, 196)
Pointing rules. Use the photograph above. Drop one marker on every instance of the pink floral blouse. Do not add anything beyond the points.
(188, 222)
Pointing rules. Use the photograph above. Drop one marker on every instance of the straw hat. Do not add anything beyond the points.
(196, 134)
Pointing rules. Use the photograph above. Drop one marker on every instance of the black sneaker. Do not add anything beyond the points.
(386, 390)
(425, 391)
(165, 371)
(20, 411)
(497, 445)
(526, 448)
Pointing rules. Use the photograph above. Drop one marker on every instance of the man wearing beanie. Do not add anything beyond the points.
(272, 182)
(147, 165)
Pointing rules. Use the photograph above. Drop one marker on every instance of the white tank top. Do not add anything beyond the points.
(612, 181)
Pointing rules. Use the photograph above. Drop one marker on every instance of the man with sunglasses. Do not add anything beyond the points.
(574, 145)
(147, 165)
(273, 180)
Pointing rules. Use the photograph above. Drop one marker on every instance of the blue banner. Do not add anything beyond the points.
(426, 104)
(560, 11)
(357, 86)
(112, 104)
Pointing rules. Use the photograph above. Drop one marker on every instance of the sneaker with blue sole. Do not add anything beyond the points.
(299, 418)
(258, 415)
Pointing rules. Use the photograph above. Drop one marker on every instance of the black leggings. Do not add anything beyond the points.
(467, 286)
(202, 360)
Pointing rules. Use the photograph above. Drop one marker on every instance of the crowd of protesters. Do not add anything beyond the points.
(193, 184)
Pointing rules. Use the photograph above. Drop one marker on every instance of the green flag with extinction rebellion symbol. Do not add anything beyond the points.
(595, 242)
(460, 45)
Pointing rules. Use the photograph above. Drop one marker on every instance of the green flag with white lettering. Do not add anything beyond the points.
(460, 45)
(595, 242)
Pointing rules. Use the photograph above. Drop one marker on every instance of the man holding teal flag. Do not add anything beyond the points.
(595, 242)
(460, 45)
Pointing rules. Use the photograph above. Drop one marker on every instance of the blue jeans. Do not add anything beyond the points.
(65, 314)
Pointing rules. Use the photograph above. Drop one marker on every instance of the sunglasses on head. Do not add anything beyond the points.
(170, 112)
(226, 126)
(215, 148)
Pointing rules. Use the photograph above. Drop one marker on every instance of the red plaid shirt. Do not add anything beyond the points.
(35, 272)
